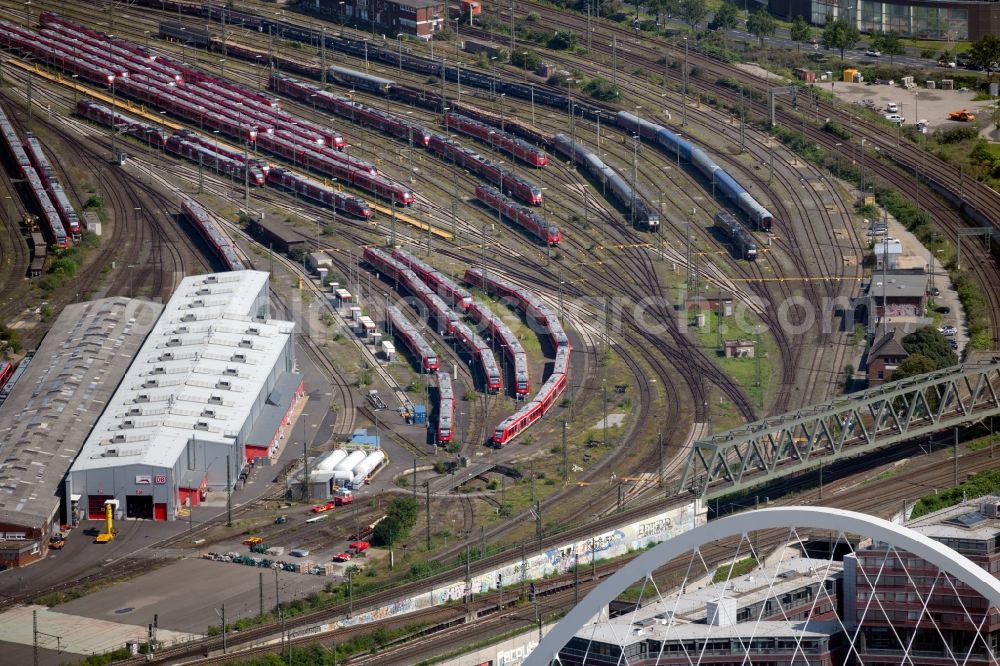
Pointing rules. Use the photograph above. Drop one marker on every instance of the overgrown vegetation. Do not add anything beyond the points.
(986, 482)
(66, 261)
(734, 570)
(316, 654)
(9, 340)
(918, 222)
(399, 520)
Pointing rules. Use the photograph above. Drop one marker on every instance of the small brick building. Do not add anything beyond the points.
(418, 18)
(884, 357)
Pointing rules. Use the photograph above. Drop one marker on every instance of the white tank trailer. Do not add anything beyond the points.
(367, 466)
(329, 462)
(350, 462)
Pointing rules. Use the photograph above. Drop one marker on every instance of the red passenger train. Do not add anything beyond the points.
(443, 285)
(498, 138)
(446, 409)
(526, 218)
(509, 183)
(320, 193)
(535, 309)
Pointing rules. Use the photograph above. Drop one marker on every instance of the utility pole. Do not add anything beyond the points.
(684, 104)
(538, 523)
(224, 642)
(277, 599)
(246, 179)
(659, 450)
(576, 578)
(566, 455)
(604, 387)
(229, 493)
(260, 584)
(322, 56)
(34, 634)
(414, 479)
(614, 60)
(428, 487)
(956, 456)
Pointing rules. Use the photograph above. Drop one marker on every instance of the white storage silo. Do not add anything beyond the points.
(350, 462)
(330, 462)
(367, 466)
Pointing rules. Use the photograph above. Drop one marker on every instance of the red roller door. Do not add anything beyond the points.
(95, 506)
(160, 511)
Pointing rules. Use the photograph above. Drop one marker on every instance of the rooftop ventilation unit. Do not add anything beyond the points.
(239, 358)
(246, 343)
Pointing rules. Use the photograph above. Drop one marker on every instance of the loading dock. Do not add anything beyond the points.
(139, 506)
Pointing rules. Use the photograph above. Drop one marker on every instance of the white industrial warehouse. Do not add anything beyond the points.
(209, 391)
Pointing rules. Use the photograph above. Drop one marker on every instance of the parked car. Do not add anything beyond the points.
(948, 330)
(949, 64)
(942, 309)
(935, 291)
(872, 53)
(895, 118)
(892, 107)
(953, 343)
(298, 552)
(342, 557)
(252, 541)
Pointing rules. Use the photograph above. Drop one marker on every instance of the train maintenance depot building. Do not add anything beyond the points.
(209, 391)
(45, 419)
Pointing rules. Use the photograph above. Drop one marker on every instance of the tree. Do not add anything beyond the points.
(915, 364)
(400, 518)
(800, 32)
(563, 40)
(761, 24)
(841, 35)
(928, 342)
(692, 11)
(526, 60)
(985, 52)
(726, 17)
(891, 44)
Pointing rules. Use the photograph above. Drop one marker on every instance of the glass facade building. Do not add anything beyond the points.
(945, 21)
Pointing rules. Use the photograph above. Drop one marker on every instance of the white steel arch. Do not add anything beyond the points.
(839, 520)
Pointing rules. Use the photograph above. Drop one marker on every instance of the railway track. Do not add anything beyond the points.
(978, 201)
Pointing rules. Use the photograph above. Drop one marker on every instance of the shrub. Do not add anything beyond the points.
(601, 89)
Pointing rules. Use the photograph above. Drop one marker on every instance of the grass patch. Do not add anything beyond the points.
(986, 482)
(734, 570)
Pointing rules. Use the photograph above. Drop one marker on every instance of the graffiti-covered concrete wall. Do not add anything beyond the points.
(560, 559)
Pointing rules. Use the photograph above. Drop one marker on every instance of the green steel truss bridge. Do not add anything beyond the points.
(846, 426)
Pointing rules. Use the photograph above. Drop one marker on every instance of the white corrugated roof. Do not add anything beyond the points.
(198, 374)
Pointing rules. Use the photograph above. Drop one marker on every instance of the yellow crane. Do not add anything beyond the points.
(109, 522)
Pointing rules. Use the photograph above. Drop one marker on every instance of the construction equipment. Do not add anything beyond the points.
(964, 116)
(110, 532)
(57, 541)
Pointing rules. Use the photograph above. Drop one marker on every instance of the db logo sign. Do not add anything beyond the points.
(160, 479)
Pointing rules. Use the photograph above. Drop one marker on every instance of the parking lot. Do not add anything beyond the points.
(918, 103)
